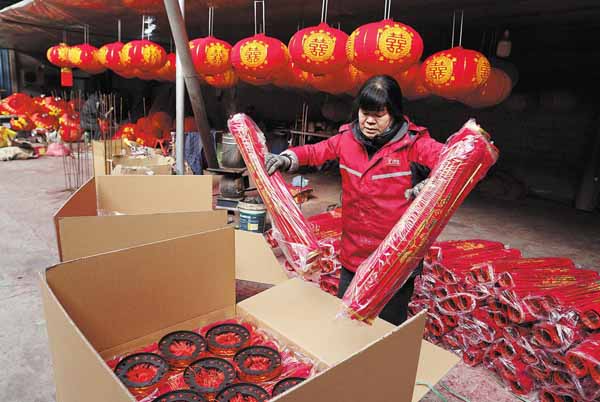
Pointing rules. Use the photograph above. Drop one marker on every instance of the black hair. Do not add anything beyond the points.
(378, 93)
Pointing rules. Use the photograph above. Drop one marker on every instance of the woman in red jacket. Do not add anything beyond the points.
(384, 159)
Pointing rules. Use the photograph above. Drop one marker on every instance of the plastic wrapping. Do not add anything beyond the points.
(293, 362)
(465, 159)
(299, 244)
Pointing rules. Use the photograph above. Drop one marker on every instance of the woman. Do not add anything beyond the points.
(383, 160)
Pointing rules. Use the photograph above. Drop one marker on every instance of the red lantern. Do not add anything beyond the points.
(109, 56)
(146, 129)
(145, 6)
(18, 103)
(455, 72)
(162, 121)
(55, 106)
(250, 79)
(169, 70)
(59, 55)
(259, 56)
(335, 83)
(319, 49)
(127, 131)
(210, 55)
(143, 55)
(44, 121)
(494, 91)
(70, 127)
(85, 57)
(224, 80)
(384, 47)
(22, 123)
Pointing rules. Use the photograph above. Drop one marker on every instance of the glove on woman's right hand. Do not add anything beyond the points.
(274, 163)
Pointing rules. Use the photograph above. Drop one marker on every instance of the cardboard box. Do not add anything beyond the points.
(144, 205)
(103, 152)
(105, 305)
(142, 165)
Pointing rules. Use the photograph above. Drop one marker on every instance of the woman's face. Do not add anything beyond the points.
(372, 123)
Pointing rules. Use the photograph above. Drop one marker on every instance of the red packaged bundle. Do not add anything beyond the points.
(446, 250)
(486, 272)
(465, 160)
(300, 244)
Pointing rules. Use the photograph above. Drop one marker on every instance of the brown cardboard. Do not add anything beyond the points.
(147, 165)
(434, 363)
(131, 195)
(100, 149)
(88, 235)
(251, 248)
(114, 302)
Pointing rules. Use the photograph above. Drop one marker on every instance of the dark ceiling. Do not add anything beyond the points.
(553, 42)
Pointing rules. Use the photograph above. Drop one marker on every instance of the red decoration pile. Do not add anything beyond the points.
(528, 319)
(465, 159)
(291, 366)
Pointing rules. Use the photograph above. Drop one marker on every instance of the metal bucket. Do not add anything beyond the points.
(231, 156)
(252, 217)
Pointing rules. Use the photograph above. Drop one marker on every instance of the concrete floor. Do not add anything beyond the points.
(30, 192)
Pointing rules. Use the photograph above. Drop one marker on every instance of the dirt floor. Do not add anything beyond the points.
(30, 192)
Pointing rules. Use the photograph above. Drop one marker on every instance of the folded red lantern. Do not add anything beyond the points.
(319, 49)
(300, 244)
(18, 103)
(384, 47)
(259, 56)
(465, 159)
(455, 72)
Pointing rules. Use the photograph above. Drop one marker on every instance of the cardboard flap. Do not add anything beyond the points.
(144, 289)
(78, 370)
(255, 261)
(434, 363)
(85, 236)
(154, 194)
(306, 315)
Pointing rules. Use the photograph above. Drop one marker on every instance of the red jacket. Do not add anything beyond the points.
(372, 190)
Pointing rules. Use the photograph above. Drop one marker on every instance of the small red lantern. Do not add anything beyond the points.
(127, 131)
(59, 55)
(85, 57)
(384, 47)
(494, 91)
(223, 80)
(109, 56)
(319, 49)
(70, 127)
(168, 71)
(259, 56)
(210, 55)
(143, 55)
(455, 72)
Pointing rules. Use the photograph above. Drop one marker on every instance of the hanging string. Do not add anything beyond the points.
(453, 27)
(211, 20)
(119, 30)
(387, 9)
(462, 16)
(324, 7)
(143, 23)
(64, 36)
(258, 29)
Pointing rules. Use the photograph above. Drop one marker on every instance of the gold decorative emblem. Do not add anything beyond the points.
(253, 53)
(151, 54)
(350, 45)
(75, 55)
(102, 54)
(216, 54)
(318, 46)
(440, 69)
(483, 70)
(124, 55)
(394, 42)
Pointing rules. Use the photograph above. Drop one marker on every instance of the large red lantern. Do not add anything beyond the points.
(59, 55)
(224, 80)
(168, 71)
(210, 55)
(109, 56)
(319, 49)
(494, 91)
(455, 72)
(85, 57)
(384, 47)
(259, 56)
(143, 55)
(70, 127)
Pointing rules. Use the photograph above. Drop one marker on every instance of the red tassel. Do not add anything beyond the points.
(66, 77)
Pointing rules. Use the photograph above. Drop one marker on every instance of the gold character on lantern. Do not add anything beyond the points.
(318, 46)
(394, 42)
(216, 54)
(439, 70)
(253, 53)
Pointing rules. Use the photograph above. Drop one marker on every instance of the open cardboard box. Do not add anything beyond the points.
(108, 304)
(141, 165)
(148, 208)
(103, 152)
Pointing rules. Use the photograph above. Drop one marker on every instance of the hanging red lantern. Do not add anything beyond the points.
(320, 49)
(109, 56)
(259, 56)
(18, 103)
(336, 83)
(127, 131)
(145, 6)
(250, 79)
(85, 57)
(210, 55)
(168, 71)
(224, 80)
(455, 72)
(494, 91)
(59, 55)
(70, 127)
(384, 47)
(143, 55)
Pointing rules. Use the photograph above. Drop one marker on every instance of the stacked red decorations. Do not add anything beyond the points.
(464, 161)
(184, 367)
(534, 321)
